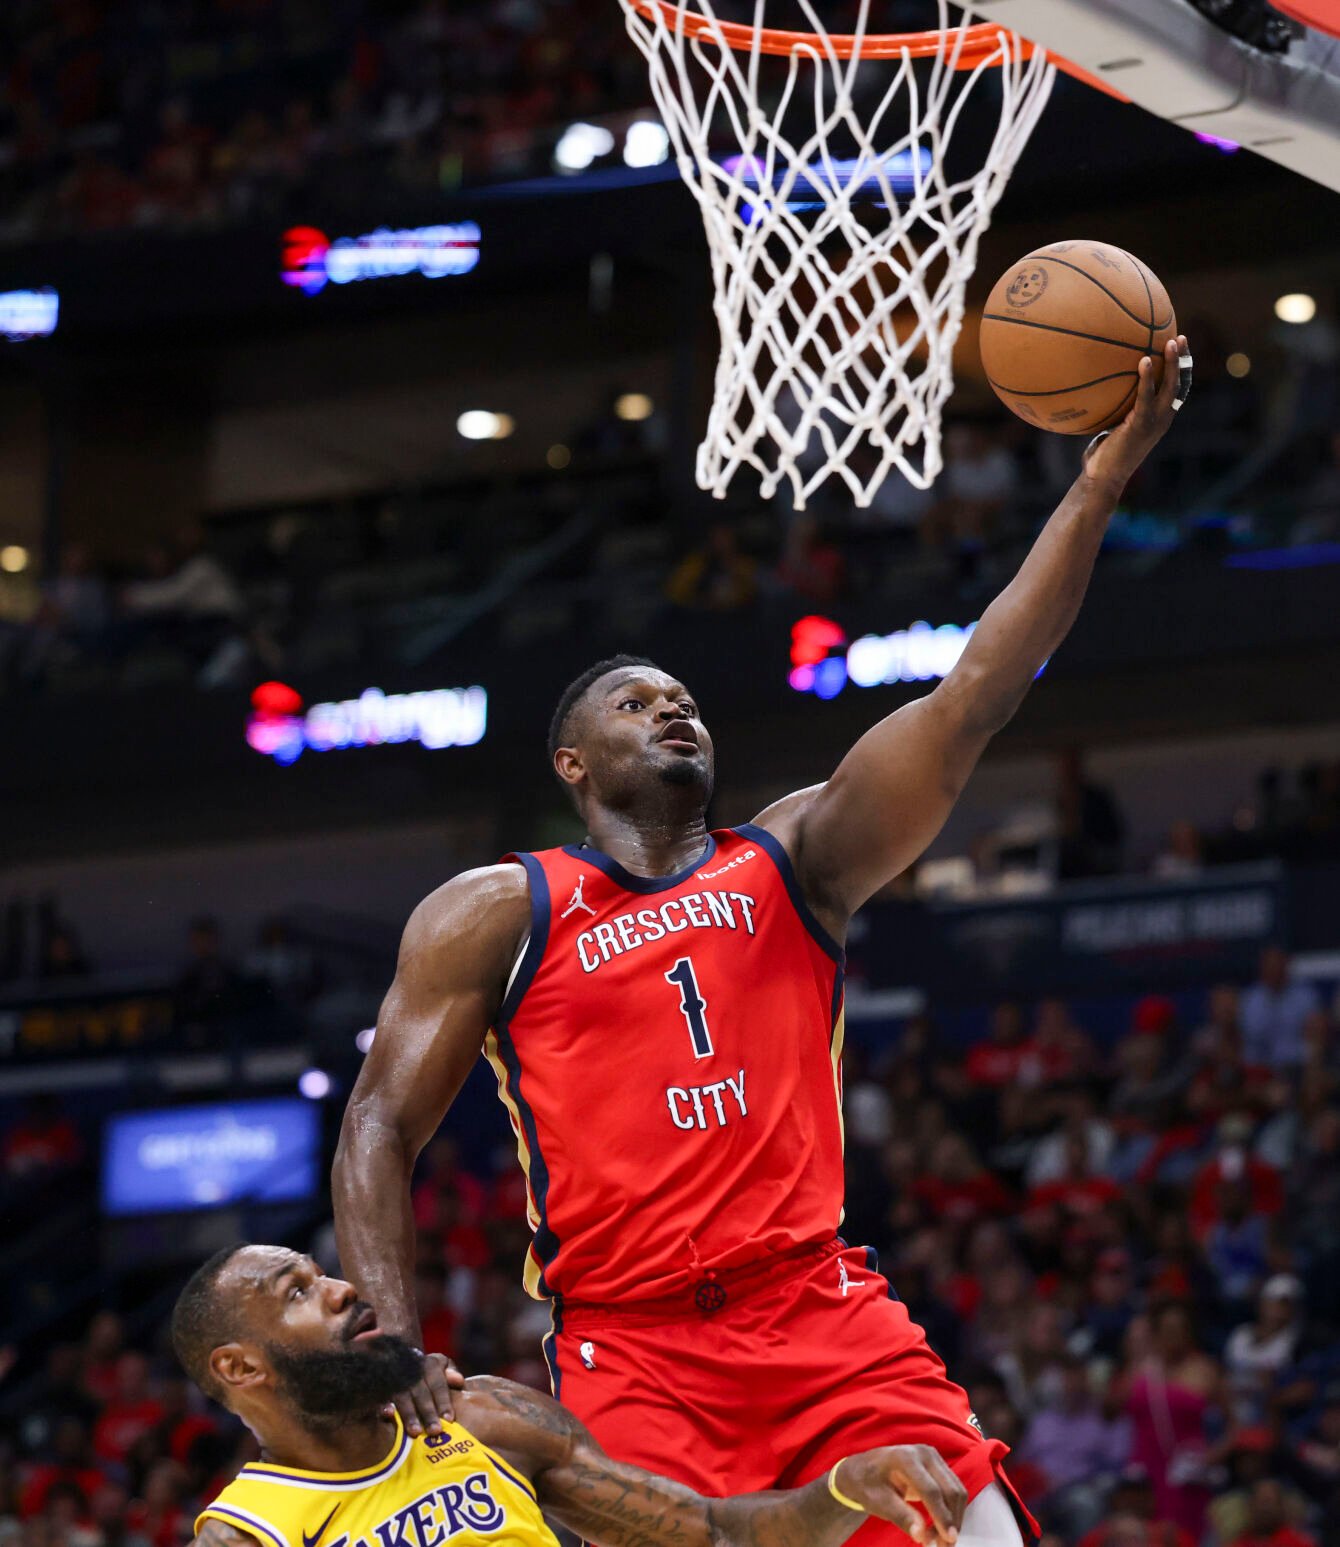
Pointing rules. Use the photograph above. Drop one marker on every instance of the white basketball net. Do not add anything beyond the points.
(836, 335)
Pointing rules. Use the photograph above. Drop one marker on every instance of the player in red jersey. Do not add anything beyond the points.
(663, 1008)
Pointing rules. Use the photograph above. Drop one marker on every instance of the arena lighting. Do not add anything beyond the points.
(28, 314)
(314, 1084)
(364, 1040)
(311, 259)
(633, 407)
(440, 717)
(13, 559)
(647, 144)
(558, 457)
(861, 178)
(918, 653)
(483, 424)
(1296, 307)
(580, 145)
(1238, 364)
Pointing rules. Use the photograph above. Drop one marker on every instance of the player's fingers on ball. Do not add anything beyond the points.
(1172, 365)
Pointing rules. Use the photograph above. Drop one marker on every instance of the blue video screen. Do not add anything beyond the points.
(209, 1156)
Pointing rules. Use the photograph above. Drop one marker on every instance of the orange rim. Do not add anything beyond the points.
(979, 43)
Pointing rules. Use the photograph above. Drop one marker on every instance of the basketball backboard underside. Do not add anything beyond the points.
(1168, 58)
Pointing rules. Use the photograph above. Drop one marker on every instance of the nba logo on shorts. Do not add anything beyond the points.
(588, 1354)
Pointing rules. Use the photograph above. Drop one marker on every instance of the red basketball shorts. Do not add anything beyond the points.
(802, 1361)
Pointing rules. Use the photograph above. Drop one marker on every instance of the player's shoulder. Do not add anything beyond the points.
(488, 899)
(785, 817)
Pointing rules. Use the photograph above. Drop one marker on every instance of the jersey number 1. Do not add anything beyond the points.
(692, 1003)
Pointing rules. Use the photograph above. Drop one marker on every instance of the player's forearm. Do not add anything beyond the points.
(613, 1505)
(804, 1517)
(1028, 620)
(374, 1221)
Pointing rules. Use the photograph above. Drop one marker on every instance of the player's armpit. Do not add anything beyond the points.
(217, 1533)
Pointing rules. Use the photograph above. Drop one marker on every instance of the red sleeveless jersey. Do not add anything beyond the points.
(669, 1053)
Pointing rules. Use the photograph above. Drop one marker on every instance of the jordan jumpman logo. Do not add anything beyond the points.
(845, 1281)
(578, 901)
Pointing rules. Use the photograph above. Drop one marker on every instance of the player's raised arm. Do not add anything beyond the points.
(615, 1505)
(893, 791)
(455, 956)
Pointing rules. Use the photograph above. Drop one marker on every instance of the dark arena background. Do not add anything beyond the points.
(299, 541)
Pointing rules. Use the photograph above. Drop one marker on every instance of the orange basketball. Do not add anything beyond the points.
(1064, 331)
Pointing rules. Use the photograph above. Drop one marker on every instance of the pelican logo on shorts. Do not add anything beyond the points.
(577, 900)
(1026, 286)
(709, 1296)
(588, 1355)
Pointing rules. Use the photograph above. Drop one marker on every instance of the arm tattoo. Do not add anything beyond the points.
(615, 1505)
(527, 1413)
(622, 1506)
(217, 1533)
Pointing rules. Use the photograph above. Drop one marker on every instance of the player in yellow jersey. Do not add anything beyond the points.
(300, 1360)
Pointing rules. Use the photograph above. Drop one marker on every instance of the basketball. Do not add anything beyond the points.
(1064, 331)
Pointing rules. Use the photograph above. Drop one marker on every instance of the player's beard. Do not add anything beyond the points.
(688, 773)
(347, 1382)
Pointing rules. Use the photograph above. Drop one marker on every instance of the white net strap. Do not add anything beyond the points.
(837, 334)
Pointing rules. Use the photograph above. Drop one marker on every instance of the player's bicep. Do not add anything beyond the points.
(453, 966)
(886, 802)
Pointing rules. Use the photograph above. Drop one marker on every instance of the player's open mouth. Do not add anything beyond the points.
(682, 736)
(365, 1327)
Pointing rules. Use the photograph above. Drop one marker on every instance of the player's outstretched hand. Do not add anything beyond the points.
(1113, 456)
(423, 1406)
(889, 1482)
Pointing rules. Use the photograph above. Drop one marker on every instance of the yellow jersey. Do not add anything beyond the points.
(430, 1491)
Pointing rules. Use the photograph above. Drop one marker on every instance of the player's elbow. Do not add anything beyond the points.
(982, 699)
(369, 1152)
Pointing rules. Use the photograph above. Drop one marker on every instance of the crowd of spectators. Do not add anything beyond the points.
(181, 599)
(1126, 1252)
(129, 113)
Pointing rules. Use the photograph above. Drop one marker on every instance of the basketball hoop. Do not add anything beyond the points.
(840, 246)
